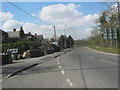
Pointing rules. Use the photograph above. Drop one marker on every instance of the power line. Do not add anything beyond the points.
(26, 12)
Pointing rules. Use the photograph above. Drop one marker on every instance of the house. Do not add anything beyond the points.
(19, 35)
(29, 37)
(3, 37)
(39, 37)
(15, 35)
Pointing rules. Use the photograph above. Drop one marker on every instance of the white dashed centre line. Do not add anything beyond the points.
(62, 72)
(69, 82)
(60, 67)
(58, 61)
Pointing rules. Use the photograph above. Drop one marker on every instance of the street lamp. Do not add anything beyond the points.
(64, 38)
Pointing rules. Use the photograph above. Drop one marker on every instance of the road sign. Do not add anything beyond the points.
(110, 33)
(115, 34)
(106, 34)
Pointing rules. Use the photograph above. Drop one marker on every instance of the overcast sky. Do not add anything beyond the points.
(79, 17)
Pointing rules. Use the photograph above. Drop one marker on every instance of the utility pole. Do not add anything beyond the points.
(118, 29)
(118, 32)
(55, 35)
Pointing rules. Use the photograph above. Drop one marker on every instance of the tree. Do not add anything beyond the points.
(61, 41)
(102, 21)
(108, 21)
(70, 41)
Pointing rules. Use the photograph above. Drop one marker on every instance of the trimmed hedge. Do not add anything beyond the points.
(22, 46)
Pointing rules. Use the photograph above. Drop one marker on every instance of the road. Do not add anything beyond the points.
(80, 68)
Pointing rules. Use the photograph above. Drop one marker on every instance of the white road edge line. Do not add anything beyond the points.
(103, 52)
(62, 72)
(108, 61)
(69, 82)
(90, 56)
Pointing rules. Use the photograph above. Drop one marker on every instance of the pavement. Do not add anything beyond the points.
(22, 64)
(79, 68)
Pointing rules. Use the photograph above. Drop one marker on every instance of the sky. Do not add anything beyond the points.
(76, 18)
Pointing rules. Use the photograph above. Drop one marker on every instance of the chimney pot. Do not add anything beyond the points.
(14, 29)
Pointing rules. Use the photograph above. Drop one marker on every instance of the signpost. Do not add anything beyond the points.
(110, 34)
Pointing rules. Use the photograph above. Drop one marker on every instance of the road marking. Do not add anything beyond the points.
(7, 76)
(101, 59)
(107, 61)
(69, 82)
(60, 67)
(90, 56)
(102, 52)
(57, 59)
(62, 72)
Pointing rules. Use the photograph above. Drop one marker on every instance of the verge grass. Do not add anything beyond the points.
(106, 50)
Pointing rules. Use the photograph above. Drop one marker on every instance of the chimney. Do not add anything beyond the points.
(35, 34)
(14, 30)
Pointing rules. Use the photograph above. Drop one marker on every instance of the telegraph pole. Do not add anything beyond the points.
(118, 32)
(118, 29)
(55, 34)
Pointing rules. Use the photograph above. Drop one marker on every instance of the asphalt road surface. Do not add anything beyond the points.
(80, 68)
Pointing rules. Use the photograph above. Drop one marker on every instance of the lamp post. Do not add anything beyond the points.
(64, 38)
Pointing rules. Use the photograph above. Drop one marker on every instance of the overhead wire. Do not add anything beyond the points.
(27, 12)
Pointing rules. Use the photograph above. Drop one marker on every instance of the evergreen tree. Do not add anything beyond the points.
(70, 42)
(61, 41)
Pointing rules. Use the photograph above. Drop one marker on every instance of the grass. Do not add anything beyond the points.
(107, 50)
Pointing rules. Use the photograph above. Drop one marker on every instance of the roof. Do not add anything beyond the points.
(2, 32)
(14, 34)
(39, 37)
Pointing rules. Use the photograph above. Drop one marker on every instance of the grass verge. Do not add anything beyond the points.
(106, 50)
